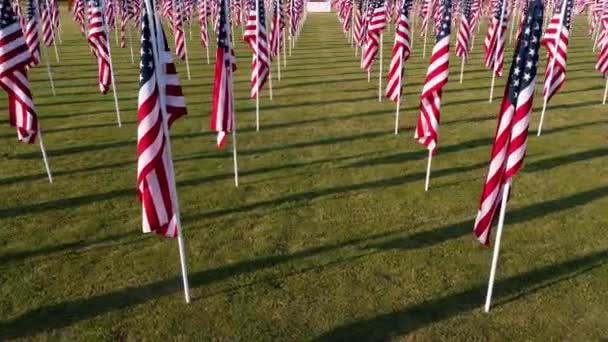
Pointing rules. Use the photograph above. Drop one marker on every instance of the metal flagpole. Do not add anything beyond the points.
(501, 222)
(161, 84)
(461, 69)
(499, 29)
(278, 56)
(428, 171)
(380, 70)
(552, 66)
(284, 49)
(130, 42)
(111, 68)
(43, 51)
(44, 158)
(513, 24)
(605, 92)
(397, 113)
(257, 64)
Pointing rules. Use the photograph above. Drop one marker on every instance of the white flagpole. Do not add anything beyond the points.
(161, 83)
(428, 171)
(234, 153)
(461, 69)
(501, 222)
(605, 92)
(130, 43)
(116, 30)
(397, 114)
(380, 70)
(513, 24)
(44, 158)
(257, 64)
(284, 49)
(502, 18)
(111, 70)
(552, 66)
(43, 52)
(412, 31)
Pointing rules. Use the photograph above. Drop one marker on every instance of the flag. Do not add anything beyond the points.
(436, 77)
(110, 16)
(602, 60)
(555, 79)
(425, 12)
(178, 30)
(256, 28)
(48, 33)
(276, 28)
(155, 176)
(464, 30)
(14, 59)
(358, 28)
(98, 40)
(511, 137)
(202, 22)
(31, 34)
(124, 21)
(375, 27)
(401, 53)
(222, 109)
(78, 9)
(494, 42)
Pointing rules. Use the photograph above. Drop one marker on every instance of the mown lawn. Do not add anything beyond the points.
(330, 235)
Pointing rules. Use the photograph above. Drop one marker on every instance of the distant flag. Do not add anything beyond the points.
(47, 26)
(124, 21)
(376, 25)
(202, 21)
(358, 28)
(31, 34)
(222, 110)
(256, 27)
(14, 60)
(465, 33)
(78, 13)
(277, 26)
(110, 15)
(98, 41)
(555, 79)
(178, 30)
(401, 53)
(436, 77)
(494, 43)
(511, 137)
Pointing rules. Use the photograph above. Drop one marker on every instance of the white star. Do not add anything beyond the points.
(527, 31)
(527, 76)
(532, 52)
(515, 83)
(516, 71)
(528, 64)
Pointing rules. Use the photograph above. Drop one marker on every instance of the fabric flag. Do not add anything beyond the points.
(14, 60)
(124, 21)
(202, 22)
(358, 29)
(256, 27)
(511, 137)
(374, 28)
(555, 79)
(494, 42)
(31, 34)
(436, 77)
(48, 34)
(178, 30)
(98, 40)
(155, 176)
(222, 109)
(602, 61)
(276, 28)
(78, 13)
(425, 9)
(464, 32)
(110, 15)
(401, 53)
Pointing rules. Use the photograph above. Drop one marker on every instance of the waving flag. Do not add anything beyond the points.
(401, 53)
(436, 77)
(31, 34)
(556, 77)
(494, 43)
(255, 36)
(98, 40)
(14, 59)
(222, 110)
(464, 32)
(511, 137)
(375, 27)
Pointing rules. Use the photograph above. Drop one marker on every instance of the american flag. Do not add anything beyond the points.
(346, 15)
(555, 78)
(511, 137)
(475, 15)
(98, 40)
(202, 22)
(48, 34)
(494, 42)
(276, 28)
(155, 177)
(260, 64)
(401, 53)
(14, 59)
(78, 9)
(124, 21)
(222, 110)
(436, 77)
(464, 32)
(19, 14)
(31, 34)
(602, 38)
(374, 28)
(178, 29)
(110, 15)
(425, 12)
(358, 29)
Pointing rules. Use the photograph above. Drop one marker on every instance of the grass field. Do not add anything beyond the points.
(330, 235)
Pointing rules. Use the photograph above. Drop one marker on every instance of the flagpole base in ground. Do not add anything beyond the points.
(428, 171)
(501, 221)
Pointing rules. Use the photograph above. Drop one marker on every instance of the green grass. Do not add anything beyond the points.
(330, 235)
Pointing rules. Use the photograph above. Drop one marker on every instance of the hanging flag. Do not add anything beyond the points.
(222, 109)
(375, 27)
(31, 34)
(494, 42)
(555, 79)
(155, 176)
(464, 32)
(511, 137)
(436, 77)
(401, 53)
(14, 60)
(98, 40)
(255, 36)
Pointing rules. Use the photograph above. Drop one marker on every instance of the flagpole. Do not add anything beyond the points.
(278, 28)
(380, 70)
(605, 92)
(552, 66)
(501, 222)
(428, 171)
(496, 48)
(229, 68)
(284, 49)
(111, 67)
(513, 24)
(397, 113)
(414, 22)
(161, 84)
(257, 64)
(462, 68)
(43, 51)
(44, 158)
(181, 20)
(130, 43)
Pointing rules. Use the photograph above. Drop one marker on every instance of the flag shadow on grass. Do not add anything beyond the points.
(390, 325)
(64, 314)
